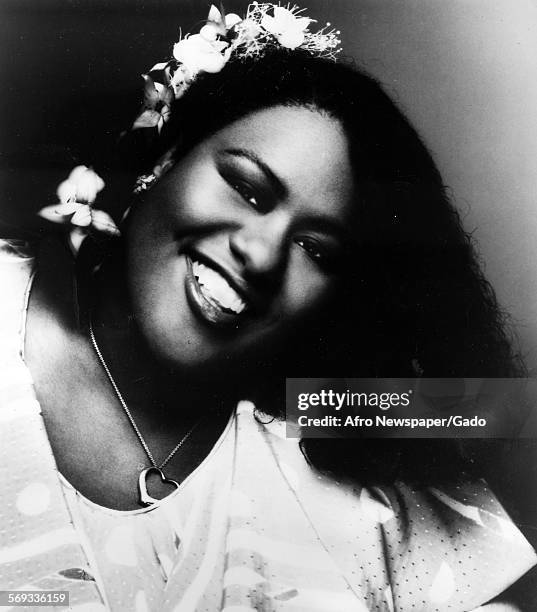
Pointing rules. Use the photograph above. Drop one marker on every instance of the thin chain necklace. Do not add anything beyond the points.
(144, 498)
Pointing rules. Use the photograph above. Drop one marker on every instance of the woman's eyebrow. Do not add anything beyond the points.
(319, 221)
(325, 223)
(276, 183)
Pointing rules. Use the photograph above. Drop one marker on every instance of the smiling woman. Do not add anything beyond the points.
(243, 234)
(288, 221)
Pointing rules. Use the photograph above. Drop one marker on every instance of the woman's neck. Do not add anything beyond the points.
(173, 394)
(91, 437)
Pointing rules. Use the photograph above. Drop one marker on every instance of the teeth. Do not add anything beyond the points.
(215, 286)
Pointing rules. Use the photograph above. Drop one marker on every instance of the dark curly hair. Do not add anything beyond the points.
(415, 300)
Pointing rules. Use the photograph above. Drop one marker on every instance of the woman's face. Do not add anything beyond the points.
(243, 240)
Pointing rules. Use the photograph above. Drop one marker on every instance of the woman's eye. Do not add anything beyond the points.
(313, 249)
(246, 193)
(326, 256)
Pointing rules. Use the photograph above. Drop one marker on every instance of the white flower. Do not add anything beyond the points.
(180, 81)
(288, 29)
(157, 101)
(219, 23)
(205, 52)
(249, 30)
(82, 185)
(80, 213)
(77, 194)
(198, 54)
(209, 32)
(232, 19)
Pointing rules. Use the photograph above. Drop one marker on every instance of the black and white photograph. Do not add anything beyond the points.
(268, 306)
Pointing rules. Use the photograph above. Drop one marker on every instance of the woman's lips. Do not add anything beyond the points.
(216, 288)
(210, 295)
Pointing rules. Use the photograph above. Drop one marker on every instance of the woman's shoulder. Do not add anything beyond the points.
(446, 545)
(17, 267)
(16, 250)
(450, 542)
(19, 261)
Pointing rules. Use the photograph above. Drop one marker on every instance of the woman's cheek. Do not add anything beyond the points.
(193, 192)
(307, 287)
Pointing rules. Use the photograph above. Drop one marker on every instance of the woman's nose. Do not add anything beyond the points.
(260, 247)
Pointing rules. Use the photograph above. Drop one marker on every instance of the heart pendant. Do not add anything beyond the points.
(145, 498)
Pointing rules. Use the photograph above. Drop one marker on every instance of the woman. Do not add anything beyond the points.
(293, 224)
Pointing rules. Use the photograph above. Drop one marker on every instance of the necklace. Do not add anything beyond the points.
(144, 497)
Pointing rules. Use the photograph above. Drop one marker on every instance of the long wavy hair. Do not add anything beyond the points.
(415, 301)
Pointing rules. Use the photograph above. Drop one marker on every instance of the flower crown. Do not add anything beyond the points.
(265, 26)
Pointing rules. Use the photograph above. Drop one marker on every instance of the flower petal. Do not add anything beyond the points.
(167, 74)
(159, 66)
(148, 119)
(291, 39)
(82, 186)
(220, 45)
(66, 191)
(50, 214)
(215, 15)
(76, 173)
(180, 81)
(209, 32)
(249, 30)
(67, 208)
(269, 24)
(82, 217)
(214, 63)
(197, 54)
(88, 186)
(232, 19)
(167, 97)
(165, 113)
(151, 96)
(103, 222)
(187, 52)
(160, 89)
(302, 23)
(284, 17)
(76, 237)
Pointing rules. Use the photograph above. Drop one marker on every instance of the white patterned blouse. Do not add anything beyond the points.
(254, 527)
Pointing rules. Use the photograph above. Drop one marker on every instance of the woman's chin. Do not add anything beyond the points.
(185, 327)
